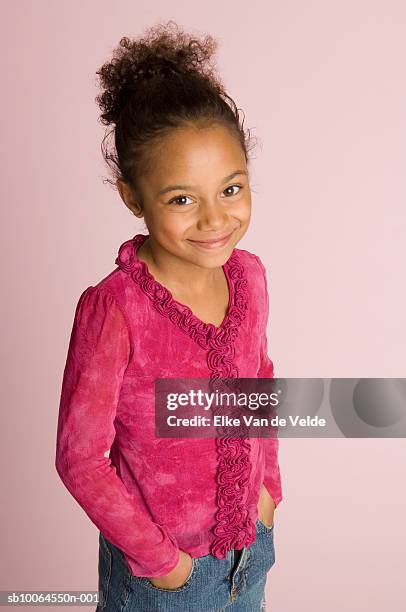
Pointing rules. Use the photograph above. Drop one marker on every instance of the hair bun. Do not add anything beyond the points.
(163, 51)
(158, 66)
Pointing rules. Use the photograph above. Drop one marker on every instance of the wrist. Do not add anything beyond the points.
(169, 567)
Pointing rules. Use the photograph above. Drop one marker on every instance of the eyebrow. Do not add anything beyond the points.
(176, 187)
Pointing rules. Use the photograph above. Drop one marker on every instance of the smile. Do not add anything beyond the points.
(212, 244)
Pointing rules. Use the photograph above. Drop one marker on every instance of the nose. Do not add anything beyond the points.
(212, 216)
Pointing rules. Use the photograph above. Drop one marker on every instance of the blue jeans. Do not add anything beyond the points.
(236, 583)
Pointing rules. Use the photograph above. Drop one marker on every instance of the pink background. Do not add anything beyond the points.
(322, 85)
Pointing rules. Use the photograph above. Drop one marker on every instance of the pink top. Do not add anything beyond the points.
(153, 496)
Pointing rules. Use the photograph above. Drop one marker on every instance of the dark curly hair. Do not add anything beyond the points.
(163, 80)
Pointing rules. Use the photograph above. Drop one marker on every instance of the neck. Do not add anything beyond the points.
(179, 273)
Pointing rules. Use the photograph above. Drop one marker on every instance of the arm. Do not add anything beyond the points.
(98, 355)
(272, 478)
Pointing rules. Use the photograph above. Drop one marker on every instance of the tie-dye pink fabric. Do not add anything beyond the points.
(153, 496)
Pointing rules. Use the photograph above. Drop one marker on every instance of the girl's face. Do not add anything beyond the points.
(197, 192)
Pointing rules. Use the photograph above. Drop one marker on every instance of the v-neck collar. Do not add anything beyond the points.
(182, 315)
(182, 307)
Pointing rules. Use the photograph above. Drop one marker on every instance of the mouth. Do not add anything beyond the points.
(215, 243)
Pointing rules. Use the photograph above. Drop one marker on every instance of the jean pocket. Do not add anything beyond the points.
(265, 546)
(104, 569)
(185, 585)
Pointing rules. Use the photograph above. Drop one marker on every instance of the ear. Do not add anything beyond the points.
(127, 195)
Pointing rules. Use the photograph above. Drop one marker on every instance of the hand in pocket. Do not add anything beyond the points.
(176, 577)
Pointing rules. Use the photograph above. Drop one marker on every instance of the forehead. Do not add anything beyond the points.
(192, 151)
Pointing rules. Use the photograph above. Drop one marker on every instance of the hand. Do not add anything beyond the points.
(176, 577)
(266, 507)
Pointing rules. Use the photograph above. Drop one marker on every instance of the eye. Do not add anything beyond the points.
(176, 200)
(231, 187)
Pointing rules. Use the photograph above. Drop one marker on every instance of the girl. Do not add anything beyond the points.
(184, 524)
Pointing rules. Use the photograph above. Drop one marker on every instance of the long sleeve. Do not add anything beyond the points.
(98, 354)
(272, 477)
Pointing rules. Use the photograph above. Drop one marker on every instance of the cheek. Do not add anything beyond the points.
(243, 211)
(172, 228)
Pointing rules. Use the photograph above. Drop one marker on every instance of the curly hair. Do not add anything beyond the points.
(163, 80)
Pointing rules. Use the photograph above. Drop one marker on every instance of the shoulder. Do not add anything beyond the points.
(108, 292)
(100, 306)
(98, 312)
(102, 294)
(253, 265)
(249, 258)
